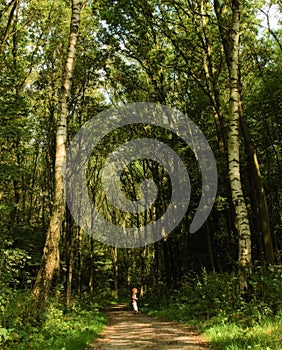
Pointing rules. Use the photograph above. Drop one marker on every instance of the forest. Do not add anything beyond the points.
(72, 65)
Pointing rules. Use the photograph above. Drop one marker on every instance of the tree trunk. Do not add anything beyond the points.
(250, 150)
(91, 268)
(50, 259)
(242, 221)
(69, 257)
(156, 266)
(114, 253)
(210, 246)
(79, 259)
(143, 271)
(230, 39)
(14, 4)
(209, 70)
(263, 216)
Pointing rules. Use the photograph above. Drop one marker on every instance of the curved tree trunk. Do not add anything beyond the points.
(51, 254)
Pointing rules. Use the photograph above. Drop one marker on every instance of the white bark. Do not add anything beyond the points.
(242, 221)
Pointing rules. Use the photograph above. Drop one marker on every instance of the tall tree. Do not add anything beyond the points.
(51, 253)
(230, 42)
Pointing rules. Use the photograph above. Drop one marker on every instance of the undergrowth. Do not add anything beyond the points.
(230, 321)
(23, 327)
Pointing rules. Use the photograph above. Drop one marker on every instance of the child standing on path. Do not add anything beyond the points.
(134, 300)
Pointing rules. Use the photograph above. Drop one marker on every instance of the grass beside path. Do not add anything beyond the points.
(214, 304)
(266, 335)
(263, 335)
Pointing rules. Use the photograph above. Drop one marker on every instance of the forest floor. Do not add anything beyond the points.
(126, 330)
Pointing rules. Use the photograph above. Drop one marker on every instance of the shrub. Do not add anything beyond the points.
(212, 295)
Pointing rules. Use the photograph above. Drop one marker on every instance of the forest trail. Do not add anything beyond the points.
(126, 330)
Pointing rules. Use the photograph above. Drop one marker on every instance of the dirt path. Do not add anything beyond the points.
(128, 331)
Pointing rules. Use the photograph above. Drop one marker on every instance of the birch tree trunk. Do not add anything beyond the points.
(242, 221)
(230, 42)
(51, 253)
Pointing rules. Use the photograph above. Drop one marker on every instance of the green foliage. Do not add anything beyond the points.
(13, 263)
(13, 275)
(217, 296)
(132, 51)
(264, 109)
(231, 336)
(214, 303)
(23, 327)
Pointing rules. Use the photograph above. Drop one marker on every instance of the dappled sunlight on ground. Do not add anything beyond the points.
(126, 330)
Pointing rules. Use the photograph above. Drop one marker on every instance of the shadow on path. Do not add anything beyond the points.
(126, 330)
